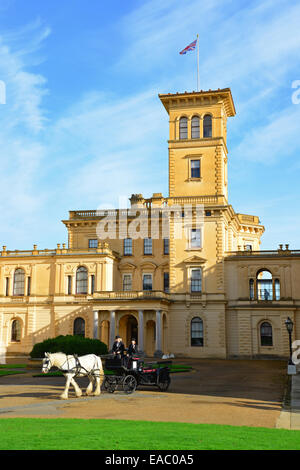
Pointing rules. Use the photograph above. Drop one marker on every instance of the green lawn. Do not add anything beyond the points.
(10, 372)
(71, 434)
(12, 366)
(12, 369)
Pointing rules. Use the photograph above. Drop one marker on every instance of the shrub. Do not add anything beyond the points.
(69, 345)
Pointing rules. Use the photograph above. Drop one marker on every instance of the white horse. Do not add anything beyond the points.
(89, 365)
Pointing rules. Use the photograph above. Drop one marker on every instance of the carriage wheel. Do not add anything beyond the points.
(163, 382)
(129, 384)
(110, 384)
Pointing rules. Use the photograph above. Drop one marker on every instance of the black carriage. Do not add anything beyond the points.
(132, 372)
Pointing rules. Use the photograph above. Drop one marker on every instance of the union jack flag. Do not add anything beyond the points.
(190, 47)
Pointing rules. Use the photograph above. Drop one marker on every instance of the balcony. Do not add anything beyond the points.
(131, 295)
(155, 202)
(103, 248)
(280, 252)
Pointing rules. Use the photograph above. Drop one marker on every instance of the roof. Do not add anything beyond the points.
(175, 99)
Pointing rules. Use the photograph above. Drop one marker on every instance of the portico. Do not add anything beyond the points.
(145, 323)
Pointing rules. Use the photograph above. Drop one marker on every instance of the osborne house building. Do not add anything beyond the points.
(182, 273)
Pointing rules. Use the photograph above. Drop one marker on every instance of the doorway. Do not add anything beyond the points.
(128, 329)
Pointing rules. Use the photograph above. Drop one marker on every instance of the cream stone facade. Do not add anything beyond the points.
(183, 274)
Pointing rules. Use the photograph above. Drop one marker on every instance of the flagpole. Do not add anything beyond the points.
(198, 87)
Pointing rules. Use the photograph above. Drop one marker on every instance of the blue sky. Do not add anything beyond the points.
(83, 125)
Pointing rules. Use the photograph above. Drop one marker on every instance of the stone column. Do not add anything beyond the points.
(112, 327)
(141, 332)
(62, 279)
(158, 346)
(33, 280)
(95, 323)
(11, 284)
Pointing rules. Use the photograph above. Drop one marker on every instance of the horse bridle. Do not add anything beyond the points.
(46, 362)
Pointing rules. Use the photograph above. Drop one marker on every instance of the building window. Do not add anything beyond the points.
(196, 332)
(127, 246)
(264, 285)
(81, 280)
(207, 126)
(266, 335)
(79, 327)
(166, 282)
(166, 246)
(195, 168)
(248, 247)
(195, 127)
(16, 330)
(69, 285)
(251, 289)
(127, 282)
(147, 246)
(93, 243)
(195, 238)
(183, 128)
(19, 282)
(147, 281)
(28, 285)
(7, 286)
(92, 283)
(196, 280)
(277, 289)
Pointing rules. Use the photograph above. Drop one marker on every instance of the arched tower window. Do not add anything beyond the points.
(183, 128)
(264, 285)
(196, 332)
(266, 334)
(81, 280)
(16, 330)
(207, 126)
(195, 127)
(19, 282)
(79, 327)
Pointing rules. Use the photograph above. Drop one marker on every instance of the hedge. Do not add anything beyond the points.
(69, 344)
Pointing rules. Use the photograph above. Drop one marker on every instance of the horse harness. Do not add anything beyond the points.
(78, 367)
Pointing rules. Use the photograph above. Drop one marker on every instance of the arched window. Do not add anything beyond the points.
(195, 127)
(266, 335)
(207, 126)
(19, 282)
(264, 285)
(16, 330)
(79, 327)
(251, 289)
(183, 128)
(196, 332)
(81, 280)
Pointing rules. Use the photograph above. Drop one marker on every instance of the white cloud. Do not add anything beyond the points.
(111, 147)
(105, 146)
(273, 141)
(22, 153)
